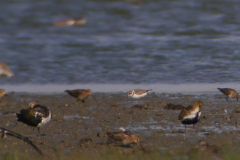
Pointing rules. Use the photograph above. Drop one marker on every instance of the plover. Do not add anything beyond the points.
(190, 114)
(36, 115)
(138, 93)
(123, 137)
(5, 71)
(69, 22)
(2, 93)
(80, 94)
(229, 92)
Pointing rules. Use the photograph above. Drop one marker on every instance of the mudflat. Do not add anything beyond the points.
(78, 128)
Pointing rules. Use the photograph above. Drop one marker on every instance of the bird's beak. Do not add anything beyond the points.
(94, 98)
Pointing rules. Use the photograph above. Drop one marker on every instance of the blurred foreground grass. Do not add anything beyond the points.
(228, 153)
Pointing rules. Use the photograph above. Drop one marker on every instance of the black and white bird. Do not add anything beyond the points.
(36, 115)
(190, 114)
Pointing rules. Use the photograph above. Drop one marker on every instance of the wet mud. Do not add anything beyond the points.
(75, 127)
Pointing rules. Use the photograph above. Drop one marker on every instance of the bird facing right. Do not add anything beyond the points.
(229, 92)
(123, 137)
(138, 93)
(80, 94)
(190, 114)
(36, 115)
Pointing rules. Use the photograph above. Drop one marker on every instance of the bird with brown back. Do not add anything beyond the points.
(80, 94)
(36, 115)
(229, 92)
(124, 138)
(190, 114)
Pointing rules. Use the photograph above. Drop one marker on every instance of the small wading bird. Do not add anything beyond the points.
(229, 92)
(138, 93)
(123, 137)
(69, 22)
(80, 94)
(5, 71)
(2, 92)
(36, 115)
(190, 114)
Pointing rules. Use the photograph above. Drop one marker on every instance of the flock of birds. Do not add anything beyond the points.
(37, 115)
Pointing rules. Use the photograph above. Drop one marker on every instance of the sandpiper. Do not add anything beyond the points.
(123, 137)
(80, 94)
(36, 115)
(229, 92)
(190, 114)
(5, 71)
(138, 93)
(69, 22)
(2, 92)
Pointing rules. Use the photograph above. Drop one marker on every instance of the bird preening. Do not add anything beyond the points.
(36, 115)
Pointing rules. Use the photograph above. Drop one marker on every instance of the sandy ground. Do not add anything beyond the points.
(159, 130)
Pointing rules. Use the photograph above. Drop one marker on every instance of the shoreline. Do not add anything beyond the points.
(198, 88)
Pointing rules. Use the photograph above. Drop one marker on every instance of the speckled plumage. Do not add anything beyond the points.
(190, 114)
(80, 94)
(229, 92)
(36, 115)
(123, 137)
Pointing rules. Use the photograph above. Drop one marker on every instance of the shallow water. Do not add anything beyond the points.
(166, 42)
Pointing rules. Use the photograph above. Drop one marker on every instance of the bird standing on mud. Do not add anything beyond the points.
(229, 92)
(80, 94)
(138, 93)
(36, 115)
(190, 114)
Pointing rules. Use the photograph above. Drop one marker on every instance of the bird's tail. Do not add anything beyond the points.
(149, 90)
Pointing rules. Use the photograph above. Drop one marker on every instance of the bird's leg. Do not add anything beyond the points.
(38, 130)
(227, 98)
(193, 125)
(185, 129)
(75, 102)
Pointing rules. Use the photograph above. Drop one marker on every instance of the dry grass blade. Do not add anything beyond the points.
(19, 136)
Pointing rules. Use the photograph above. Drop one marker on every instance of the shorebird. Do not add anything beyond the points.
(138, 93)
(190, 114)
(123, 137)
(229, 92)
(80, 94)
(36, 115)
(2, 92)
(5, 71)
(69, 22)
